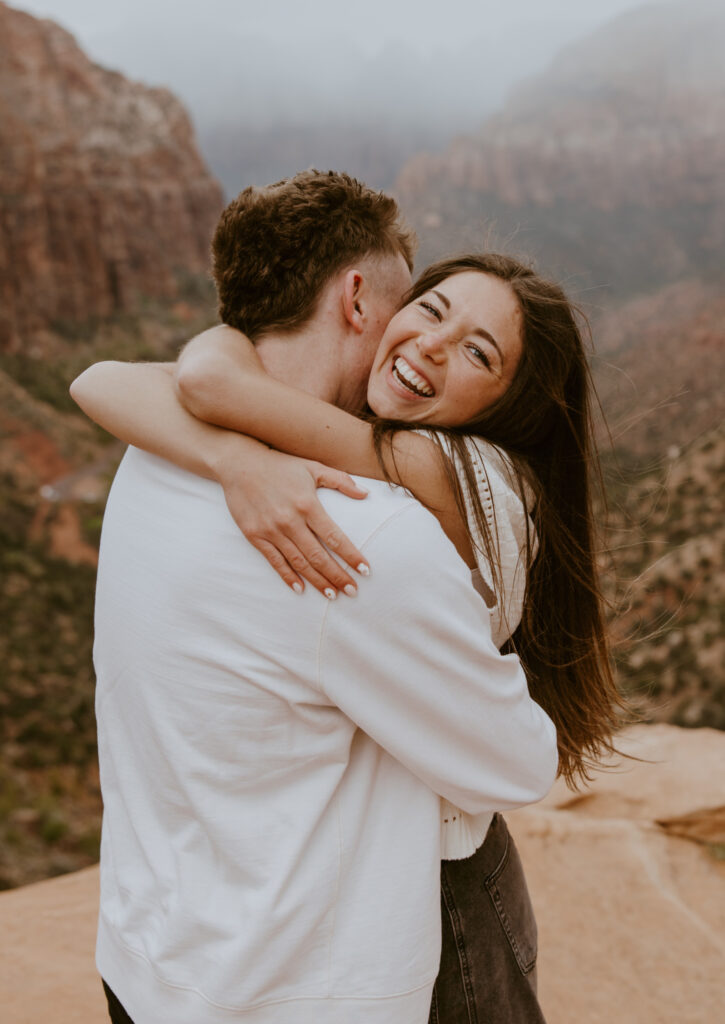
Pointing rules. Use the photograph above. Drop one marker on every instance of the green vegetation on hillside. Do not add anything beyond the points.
(49, 795)
(50, 801)
(666, 538)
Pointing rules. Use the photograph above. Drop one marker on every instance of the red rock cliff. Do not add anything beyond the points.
(104, 198)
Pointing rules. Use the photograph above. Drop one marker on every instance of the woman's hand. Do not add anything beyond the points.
(274, 503)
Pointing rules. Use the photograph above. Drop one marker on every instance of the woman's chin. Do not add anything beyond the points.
(382, 411)
(387, 409)
(388, 404)
(380, 405)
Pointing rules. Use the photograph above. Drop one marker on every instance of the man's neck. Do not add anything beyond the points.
(308, 359)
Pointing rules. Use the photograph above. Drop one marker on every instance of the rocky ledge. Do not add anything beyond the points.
(628, 880)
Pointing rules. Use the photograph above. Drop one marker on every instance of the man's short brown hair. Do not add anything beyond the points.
(275, 248)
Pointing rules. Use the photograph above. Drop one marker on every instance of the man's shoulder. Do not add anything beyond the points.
(149, 494)
(139, 466)
(163, 491)
(383, 500)
(140, 470)
(149, 478)
(387, 510)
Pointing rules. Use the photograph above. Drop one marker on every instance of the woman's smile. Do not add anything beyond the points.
(410, 379)
(448, 355)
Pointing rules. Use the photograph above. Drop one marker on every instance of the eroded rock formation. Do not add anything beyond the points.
(104, 198)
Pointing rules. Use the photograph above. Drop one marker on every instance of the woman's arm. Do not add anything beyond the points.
(271, 496)
(132, 400)
(220, 379)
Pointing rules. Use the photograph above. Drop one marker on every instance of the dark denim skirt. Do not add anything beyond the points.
(488, 960)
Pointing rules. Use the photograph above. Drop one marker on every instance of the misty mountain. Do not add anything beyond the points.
(608, 167)
(266, 106)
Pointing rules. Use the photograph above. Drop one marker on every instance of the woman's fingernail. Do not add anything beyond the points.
(329, 594)
(363, 569)
(350, 590)
(298, 588)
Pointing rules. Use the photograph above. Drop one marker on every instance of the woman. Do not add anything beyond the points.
(487, 357)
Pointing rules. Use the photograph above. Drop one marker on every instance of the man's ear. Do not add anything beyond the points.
(352, 303)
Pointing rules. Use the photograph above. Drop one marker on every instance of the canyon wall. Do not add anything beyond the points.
(104, 198)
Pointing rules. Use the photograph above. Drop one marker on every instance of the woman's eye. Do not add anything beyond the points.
(431, 309)
(479, 355)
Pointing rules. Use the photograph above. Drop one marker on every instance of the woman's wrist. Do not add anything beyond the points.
(233, 453)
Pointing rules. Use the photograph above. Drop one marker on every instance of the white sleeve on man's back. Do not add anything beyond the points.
(411, 661)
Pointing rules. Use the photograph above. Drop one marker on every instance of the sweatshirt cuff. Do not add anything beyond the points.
(461, 833)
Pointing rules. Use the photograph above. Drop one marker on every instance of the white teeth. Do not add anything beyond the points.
(405, 372)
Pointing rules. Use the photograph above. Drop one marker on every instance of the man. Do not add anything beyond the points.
(271, 765)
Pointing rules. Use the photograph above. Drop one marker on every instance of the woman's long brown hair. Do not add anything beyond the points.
(543, 423)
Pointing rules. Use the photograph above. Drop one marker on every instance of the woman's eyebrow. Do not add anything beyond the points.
(479, 330)
(489, 337)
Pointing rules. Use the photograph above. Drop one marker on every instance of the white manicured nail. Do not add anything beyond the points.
(350, 590)
(298, 588)
(329, 594)
(363, 569)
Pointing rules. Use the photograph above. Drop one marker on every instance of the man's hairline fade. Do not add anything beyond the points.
(373, 259)
(271, 251)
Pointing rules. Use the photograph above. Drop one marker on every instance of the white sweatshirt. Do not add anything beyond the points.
(270, 763)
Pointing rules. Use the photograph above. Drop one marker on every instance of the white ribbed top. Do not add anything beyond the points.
(507, 516)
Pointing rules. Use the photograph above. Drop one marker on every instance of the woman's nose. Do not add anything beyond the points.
(431, 345)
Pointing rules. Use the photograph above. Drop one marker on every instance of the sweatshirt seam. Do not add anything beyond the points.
(335, 897)
(323, 625)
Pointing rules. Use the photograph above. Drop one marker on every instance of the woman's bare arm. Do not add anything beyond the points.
(271, 496)
(220, 379)
(132, 400)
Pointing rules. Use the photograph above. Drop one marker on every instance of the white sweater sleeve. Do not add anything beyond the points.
(411, 661)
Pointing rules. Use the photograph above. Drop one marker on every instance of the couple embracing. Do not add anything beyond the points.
(301, 784)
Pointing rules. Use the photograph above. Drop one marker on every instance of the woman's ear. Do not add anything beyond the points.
(352, 304)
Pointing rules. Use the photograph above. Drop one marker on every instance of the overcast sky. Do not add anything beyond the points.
(420, 70)
(174, 43)
(423, 24)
